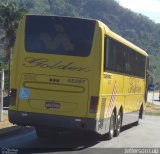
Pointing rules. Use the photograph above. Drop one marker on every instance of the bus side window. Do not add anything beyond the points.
(114, 56)
(106, 52)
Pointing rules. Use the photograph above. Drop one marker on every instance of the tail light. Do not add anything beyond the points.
(12, 100)
(93, 104)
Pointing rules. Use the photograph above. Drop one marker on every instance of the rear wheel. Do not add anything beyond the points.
(118, 124)
(140, 116)
(112, 126)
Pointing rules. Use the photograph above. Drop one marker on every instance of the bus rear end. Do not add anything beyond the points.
(56, 73)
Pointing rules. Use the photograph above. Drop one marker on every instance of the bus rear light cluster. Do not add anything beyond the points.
(12, 100)
(93, 104)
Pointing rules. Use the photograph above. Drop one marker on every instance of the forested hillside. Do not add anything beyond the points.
(135, 27)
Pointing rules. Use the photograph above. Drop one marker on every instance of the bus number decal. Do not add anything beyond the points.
(107, 76)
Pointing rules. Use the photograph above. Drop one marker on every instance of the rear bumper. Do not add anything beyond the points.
(38, 119)
(57, 121)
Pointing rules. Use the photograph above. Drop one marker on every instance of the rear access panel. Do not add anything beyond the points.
(53, 95)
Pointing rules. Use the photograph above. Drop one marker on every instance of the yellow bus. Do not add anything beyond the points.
(75, 74)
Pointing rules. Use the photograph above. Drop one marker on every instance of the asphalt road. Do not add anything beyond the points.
(145, 135)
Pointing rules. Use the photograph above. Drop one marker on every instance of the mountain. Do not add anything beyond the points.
(135, 27)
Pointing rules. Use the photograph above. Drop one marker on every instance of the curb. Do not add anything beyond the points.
(7, 128)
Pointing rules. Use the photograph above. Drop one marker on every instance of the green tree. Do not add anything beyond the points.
(10, 16)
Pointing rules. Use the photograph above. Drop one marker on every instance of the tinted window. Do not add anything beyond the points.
(59, 35)
(122, 59)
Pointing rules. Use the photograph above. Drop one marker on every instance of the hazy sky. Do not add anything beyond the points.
(150, 8)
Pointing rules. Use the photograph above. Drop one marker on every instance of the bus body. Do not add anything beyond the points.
(73, 74)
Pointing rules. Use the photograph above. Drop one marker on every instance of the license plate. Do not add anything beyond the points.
(52, 105)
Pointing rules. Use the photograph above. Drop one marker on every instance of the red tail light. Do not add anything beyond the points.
(12, 100)
(93, 104)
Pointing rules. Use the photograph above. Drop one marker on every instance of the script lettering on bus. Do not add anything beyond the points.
(45, 63)
(134, 85)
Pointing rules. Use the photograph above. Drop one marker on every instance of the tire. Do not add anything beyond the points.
(118, 124)
(136, 123)
(141, 113)
(112, 126)
(140, 116)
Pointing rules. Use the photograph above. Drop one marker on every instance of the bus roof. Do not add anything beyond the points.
(121, 39)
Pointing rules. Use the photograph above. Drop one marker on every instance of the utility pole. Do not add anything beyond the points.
(1, 93)
(2, 83)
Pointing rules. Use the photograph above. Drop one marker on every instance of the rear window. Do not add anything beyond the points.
(59, 35)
